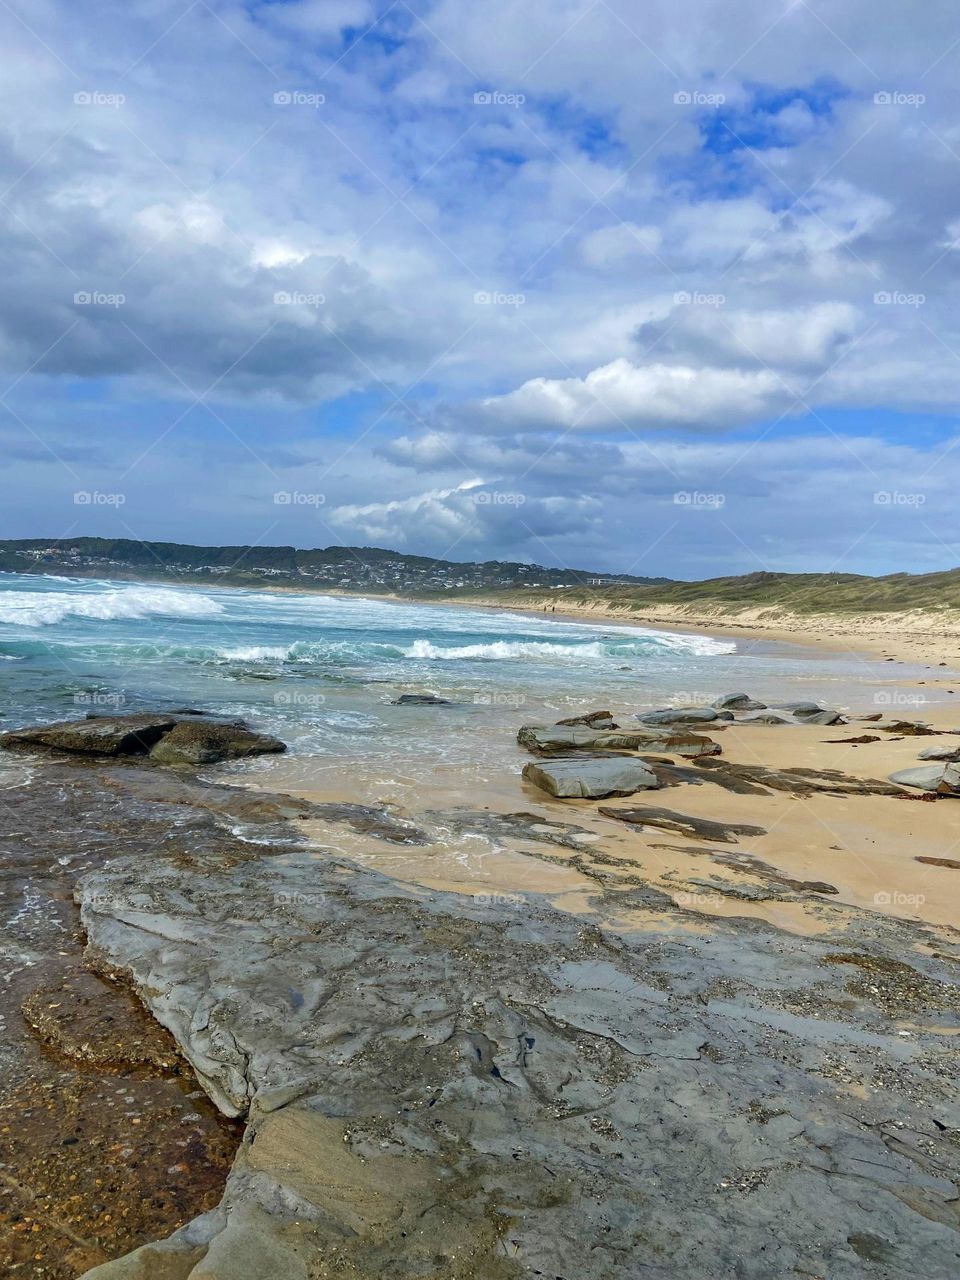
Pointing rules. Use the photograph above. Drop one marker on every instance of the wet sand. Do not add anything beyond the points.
(864, 846)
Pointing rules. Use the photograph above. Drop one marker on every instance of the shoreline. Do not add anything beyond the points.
(883, 635)
(917, 636)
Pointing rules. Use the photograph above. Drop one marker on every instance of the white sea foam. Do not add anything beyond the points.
(614, 646)
(256, 653)
(44, 608)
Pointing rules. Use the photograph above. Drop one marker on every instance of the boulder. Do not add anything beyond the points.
(592, 778)
(943, 780)
(99, 736)
(206, 742)
(679, 715)
(823, 717)
(420, 700)
(765, 717)
(940, 753)
(738, 702)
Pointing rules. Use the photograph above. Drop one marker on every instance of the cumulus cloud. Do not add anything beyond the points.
(379, 245)
(627, 395)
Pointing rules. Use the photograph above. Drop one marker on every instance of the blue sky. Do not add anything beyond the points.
(660, 291)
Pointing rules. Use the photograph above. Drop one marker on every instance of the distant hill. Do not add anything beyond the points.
(373, 570)
(793, 592)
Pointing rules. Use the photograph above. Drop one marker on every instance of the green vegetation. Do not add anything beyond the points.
(790, 592)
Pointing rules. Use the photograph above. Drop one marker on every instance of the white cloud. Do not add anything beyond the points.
(624, 394)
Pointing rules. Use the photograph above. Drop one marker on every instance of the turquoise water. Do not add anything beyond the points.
(321, 671)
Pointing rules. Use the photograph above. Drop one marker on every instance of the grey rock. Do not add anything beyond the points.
(421, 700)
(546, 740)
(591, 778)
(738, 702)
(766, 717)
(823, 717)
(940, 753)
(679, 715)
(943, 779)
(593, 719)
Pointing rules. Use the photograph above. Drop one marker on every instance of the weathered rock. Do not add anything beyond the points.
(421, 700)
(547, 740)
(951, 754)
(679, 715)
(556, 739)
(593, 719)
(824, 717)
(590, 778)
(939, 862)
(860, 740)
(683, 824)
(766, 717)
(99, 736)
(942, 779)
(193, 742)
(801, 709)
(390, 1045)
(738, 702)
(747, 779)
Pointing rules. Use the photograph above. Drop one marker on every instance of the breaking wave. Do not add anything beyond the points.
(45, 608)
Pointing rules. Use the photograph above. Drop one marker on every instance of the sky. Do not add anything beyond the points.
(659, 289)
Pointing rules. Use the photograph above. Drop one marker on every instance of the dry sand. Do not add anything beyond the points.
(917, 636)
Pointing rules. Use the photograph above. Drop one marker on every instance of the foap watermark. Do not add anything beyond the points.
(894, 898)
(294, 898)
(497, 98)
(698, 98)
(897, 698)
(695, 299)
(93, 498)
(512, 700)
(898, 298)
(296, 698)
(295, 498)
(96, 298)
(498, 498)
(897, 98)
(698, 900)
(895, 498)
(298, 98)
(297, 299)
(514, 900)
(98, 98)
(704, 501)
(494, 298)
(113, 701)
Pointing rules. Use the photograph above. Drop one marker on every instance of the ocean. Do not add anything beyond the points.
(322, 672)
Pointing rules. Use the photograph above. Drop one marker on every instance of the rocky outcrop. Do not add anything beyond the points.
(681, 715)
(166, 739)
(97, 736)
(194, 742)
(421, 700)
(683, 824)
(548, 740)
(592, 777)
(439, 1087)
